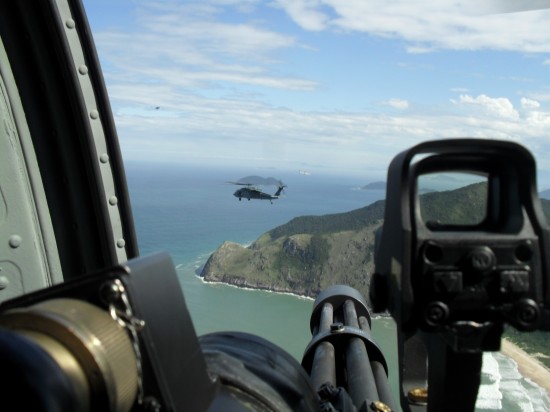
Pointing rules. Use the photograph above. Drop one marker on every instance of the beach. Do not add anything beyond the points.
(528, 366)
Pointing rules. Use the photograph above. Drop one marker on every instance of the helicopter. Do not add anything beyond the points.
(253, 192)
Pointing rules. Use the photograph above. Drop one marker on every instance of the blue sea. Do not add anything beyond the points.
(189, 212)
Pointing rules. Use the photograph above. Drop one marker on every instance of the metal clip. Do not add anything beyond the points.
(120, 310)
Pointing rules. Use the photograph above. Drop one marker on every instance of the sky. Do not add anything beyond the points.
(322, 85)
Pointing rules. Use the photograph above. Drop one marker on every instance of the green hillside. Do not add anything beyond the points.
(333, 223)
(464, 206)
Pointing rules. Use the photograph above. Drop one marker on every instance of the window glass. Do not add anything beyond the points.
(452, 199)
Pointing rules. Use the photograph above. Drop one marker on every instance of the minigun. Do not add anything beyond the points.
(347, 367)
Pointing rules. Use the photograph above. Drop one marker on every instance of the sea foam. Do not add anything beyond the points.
(504, 388)
(489, 396)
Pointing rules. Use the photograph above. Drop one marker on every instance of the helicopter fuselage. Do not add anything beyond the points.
(251, 192)
(248, 193)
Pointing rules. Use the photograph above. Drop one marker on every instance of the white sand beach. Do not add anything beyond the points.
(529, 366)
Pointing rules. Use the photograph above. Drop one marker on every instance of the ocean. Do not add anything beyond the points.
(189, 212)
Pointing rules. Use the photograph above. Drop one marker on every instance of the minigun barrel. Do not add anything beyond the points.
(324, 366)
(342, 352)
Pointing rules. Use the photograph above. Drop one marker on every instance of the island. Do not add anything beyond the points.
(375, 186)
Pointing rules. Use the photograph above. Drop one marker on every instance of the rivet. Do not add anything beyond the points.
(4, 282)
(104, 158)
(113, 200)
(94, 114)
(418, 396)
(15, 241)
(337, 327)
(83, 69)
(378, 406)
(120, 243)
(110, 292)
(70, 23)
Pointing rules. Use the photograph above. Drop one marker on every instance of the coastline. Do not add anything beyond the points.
(528, 366)
(215, 282)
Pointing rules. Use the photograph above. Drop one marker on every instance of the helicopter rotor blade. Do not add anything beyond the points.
(239, 183)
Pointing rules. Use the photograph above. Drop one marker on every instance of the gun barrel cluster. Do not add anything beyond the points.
(342, 354)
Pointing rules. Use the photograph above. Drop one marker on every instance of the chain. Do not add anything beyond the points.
(124, 316)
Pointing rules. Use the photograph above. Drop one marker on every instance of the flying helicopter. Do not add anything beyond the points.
(252, 191)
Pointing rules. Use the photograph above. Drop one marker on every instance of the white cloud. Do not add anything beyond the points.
(183, 45)
(215, 37)
(306, 13)
(397, 103)
(184, 60)
(540, 96)
(529, 103)
(225, 130)
(429, 25)
(499, 106)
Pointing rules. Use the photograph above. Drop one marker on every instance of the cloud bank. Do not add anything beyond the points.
(213, 68)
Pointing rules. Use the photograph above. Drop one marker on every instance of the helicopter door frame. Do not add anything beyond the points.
(68, 146)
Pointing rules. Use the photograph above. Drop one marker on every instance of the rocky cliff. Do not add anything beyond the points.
(303, 256)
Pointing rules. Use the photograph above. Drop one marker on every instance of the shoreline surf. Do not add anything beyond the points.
(528, 365)
(212, 282)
